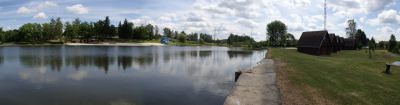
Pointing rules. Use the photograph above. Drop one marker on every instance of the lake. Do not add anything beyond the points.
(118, 75)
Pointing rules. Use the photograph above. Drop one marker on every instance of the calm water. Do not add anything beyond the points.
(67, 75)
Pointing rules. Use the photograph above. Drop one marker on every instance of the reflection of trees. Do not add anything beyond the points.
(144, 60)
(1, 60)
(54, 62)
(235, 54)
(102, 62)
(200, 53)
(42, 56)
(205, 53)
(125, 62)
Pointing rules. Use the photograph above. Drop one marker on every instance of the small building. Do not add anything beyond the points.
(164, 40)
(338, 48)
(333, 42)
(349, 44)
(315, 43)
(341, 43)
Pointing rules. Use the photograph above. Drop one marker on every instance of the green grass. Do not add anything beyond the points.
(347, 77)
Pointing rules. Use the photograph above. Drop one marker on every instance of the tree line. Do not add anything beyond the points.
(85, 32)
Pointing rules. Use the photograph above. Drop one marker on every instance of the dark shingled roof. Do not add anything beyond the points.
(312, 39)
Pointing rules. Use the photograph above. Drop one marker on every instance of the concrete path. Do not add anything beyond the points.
(256, 86)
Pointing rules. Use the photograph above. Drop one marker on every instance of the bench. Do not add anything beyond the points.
(397, 63)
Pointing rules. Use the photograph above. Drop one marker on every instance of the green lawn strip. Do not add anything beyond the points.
(346, 77)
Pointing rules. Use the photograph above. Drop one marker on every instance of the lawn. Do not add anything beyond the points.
(346, 77)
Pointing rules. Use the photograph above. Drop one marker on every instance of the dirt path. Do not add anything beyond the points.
(256, 86)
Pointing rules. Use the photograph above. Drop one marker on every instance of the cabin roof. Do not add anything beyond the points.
(312, 39)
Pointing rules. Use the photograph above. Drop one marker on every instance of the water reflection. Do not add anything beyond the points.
(1, 60)
(125, 62)
(142, 75)
(241, 53)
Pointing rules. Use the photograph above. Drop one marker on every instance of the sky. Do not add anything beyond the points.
(378, 18)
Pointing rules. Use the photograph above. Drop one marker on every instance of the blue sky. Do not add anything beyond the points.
(379, 18)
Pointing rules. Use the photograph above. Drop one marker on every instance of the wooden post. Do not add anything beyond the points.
(237, 74)
(387, 69)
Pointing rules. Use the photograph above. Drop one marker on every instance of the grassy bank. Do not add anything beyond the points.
(347, 77)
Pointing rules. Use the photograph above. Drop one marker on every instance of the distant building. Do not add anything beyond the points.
(338, 44)
(315, 43)
(349, 44)
(341, 39)
(164, 40)
(333, 42)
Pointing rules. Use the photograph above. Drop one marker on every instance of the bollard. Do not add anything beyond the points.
(387, 69)
(237, 74)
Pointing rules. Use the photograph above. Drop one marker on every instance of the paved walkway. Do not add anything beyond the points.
(256, 86)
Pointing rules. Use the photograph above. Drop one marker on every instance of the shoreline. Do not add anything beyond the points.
(115, 44)
(256, 86)
(87, 44)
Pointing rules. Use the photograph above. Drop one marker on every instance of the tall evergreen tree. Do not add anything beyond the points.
(125, 31)
(47, 31)
(393, 44)
(361, 38)
(58, 28)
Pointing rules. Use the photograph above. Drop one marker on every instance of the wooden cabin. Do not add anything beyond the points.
(315, 43)
(338, 44)
(341, 43)
(349, 44)
(333, 42)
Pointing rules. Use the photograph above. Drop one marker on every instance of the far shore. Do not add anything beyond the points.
(89, 44)
(114, 44)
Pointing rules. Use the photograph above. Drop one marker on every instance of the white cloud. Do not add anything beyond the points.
(351, 8)
(398, 32)
(144, 20)
(196, 24)
(40, 15)
(386, 17)
(169, 17)
(215, 9)
(246, 23)
(376, 5)
(384, 33)
(24, 10)
(46, 4)
(36, 7)
(295, 3)
(195, 17)
(78, 9)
